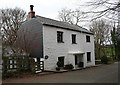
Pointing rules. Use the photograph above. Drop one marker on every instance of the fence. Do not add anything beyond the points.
(22, 63)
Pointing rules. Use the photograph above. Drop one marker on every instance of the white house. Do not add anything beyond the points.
(60, 41)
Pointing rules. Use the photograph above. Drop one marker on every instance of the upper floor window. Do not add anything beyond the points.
(87, 38)
(73, 38)
(59, 36)
(88, 56)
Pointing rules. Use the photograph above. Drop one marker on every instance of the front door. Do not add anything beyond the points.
(61, 59)
(76, 60)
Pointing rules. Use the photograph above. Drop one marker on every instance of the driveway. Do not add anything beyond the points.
(100, 74)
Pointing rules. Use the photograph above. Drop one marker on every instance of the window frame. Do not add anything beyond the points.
(74, 39)
(60, 59)
(87, 38)
(60, 37)
(88, 56)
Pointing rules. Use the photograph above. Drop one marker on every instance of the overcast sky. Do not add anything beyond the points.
(45, 8)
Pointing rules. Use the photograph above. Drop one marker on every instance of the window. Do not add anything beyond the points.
(61, 60)
(88, 56)
(87, 38)
(73, 39)
(59, 36)
(76, 60)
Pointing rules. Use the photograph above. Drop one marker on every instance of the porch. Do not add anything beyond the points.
(78, 59)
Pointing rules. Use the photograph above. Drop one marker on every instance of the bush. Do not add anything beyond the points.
(9, 74)
(97, 61)
(58, 68)
(104, 60)
(59, 64)
(110, 59)
(69, 66)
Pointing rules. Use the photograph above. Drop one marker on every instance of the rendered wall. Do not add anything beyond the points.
(54, 49)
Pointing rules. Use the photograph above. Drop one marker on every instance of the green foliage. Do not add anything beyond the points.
(108, 49)
(59, 64)
(7, 74)
(104, 60)
(110, 59)
(69, 66)
(97, 62)
(23, 64)
(115, 34)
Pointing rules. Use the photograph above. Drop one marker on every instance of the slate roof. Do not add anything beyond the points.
(64, 25)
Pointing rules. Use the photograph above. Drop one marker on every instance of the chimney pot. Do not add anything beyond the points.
(31, 14)
(31, 7)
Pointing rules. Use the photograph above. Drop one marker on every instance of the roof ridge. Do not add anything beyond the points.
(62, 24)
(58, 21)
(48, 18)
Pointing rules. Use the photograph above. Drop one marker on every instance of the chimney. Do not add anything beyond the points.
(31, 14)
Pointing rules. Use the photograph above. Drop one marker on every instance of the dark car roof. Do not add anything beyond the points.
(64, 25)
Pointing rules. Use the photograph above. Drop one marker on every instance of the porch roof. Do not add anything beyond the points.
(76, 52)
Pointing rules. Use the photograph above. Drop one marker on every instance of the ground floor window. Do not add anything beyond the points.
(88, 56)
(61, 60)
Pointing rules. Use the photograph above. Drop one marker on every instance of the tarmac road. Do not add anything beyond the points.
(100, 74)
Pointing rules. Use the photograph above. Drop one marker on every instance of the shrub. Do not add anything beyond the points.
(110, 59)
(69, 66)
(9, 74)
(58, 68)
(59, 64)
(104, 60)
(97, 61)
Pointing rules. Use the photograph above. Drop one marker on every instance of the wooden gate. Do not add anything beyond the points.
(39, 65)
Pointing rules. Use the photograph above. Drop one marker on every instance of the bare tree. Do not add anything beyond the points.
(101, 30)
(65, 15)
(10, 21)
(25, 42)
(71, 16)
(109, 9)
